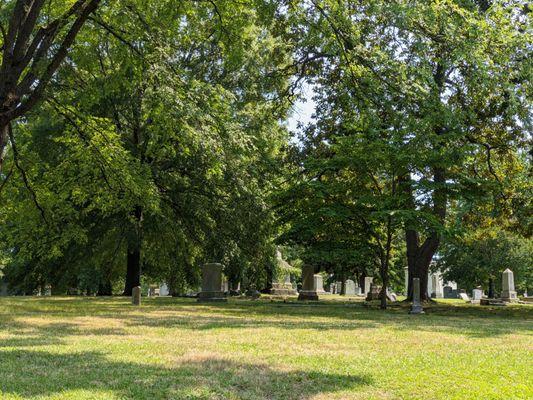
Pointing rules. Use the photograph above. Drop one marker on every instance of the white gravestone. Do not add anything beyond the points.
(350, 288)
(477, 294)
(319, 284)
(508, 291)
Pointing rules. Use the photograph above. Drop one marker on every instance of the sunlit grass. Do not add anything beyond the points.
(88, 348)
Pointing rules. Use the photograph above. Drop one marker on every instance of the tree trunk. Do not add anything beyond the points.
(491, 288)
(343, 285)
(133, 267)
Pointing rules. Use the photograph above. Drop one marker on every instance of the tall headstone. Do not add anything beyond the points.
(350, 288)
(508, 291)
(212, 283)
(3, 288)
(368, 283)
(435, 287)
(406, 277)
(308, 291)
(319, 284)
(136, 296)
(416, 308)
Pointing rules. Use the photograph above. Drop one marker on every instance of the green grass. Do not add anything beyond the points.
(89, 348)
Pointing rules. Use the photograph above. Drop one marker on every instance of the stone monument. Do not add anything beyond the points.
(136, 296)
(477, 294)
(350, 288)
(318, 283)
(212, 283)
(416, 308)
(508, 291)
(308, 291)
(373, 294)
(368, 283)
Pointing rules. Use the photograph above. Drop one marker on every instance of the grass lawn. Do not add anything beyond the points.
(92, 348)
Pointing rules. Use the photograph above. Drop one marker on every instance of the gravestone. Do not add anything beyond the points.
(436, 290)
(3, 288)
(416, 308)
(464, 296)
(373, 294)
(308, 291)
(406, 278)
(338, 287)
(391, 296)
(449, 292)
(368, 283)
(318, 283)
(136, 296)
(508, 291)
(477, 294)
(350, 288)
(212, 283)
(163, 290)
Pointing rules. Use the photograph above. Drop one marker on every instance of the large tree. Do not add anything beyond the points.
(445, 81)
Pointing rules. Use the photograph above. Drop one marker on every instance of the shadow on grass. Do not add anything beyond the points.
(36, 373)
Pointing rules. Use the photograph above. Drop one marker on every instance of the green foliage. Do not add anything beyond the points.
(175, 114)
(484, 254)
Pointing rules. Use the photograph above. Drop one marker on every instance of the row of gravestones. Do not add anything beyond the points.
(508, 294)
(312, 286)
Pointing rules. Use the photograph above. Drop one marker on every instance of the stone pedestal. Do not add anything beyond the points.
(136, 296)
(368, 283)
(508, 291)
(416, 307)
(212, 283)
(308, 291)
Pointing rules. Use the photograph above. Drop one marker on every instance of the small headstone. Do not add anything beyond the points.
(464, 296)
(416, 308)
(508, 290)
(391, 296)
(212, 283)
(163, 290)
(374, 292)
(308, 291)
(136, 296)
(477, 294)
(350, 288)
(368, 283)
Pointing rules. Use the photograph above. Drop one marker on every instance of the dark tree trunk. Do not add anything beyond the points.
(133, 266)
(491, 288)
(133, 271)
(343, 285)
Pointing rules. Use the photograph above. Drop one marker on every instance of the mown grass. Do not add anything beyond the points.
(89, 348)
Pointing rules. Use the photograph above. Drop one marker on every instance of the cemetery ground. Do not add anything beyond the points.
(105, 348)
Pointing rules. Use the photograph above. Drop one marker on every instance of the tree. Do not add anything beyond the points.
(196, 125)
(446, 80)
(34, 42)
